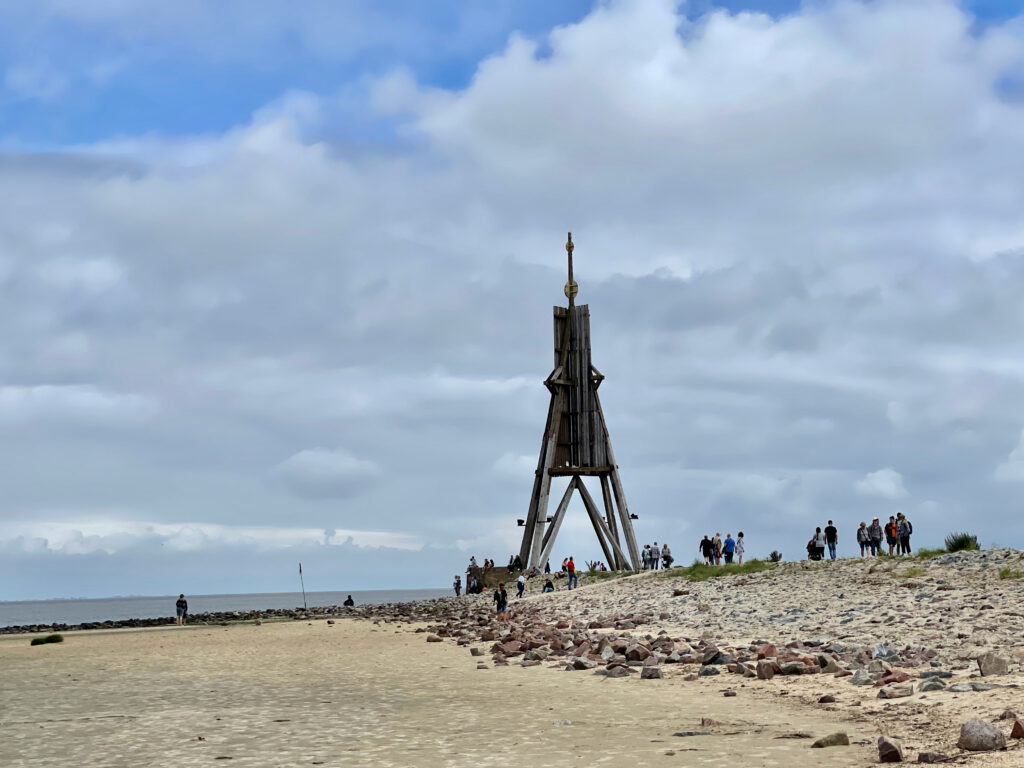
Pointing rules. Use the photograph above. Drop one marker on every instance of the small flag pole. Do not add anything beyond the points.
(303, 583)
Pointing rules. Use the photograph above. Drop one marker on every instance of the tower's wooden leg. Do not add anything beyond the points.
(610, 546)
(556, 523)
(537, 514)
(621, 563)
(627, 524)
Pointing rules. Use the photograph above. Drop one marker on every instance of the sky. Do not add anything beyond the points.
(276, 280)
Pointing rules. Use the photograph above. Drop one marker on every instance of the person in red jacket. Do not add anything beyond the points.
(570, 567)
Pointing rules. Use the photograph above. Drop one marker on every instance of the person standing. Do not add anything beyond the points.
(570, 568)
(707, 549)
(666, 556)
(717, 544)
(819, 544)
(739, 548)
(501, 602)
(547, 566)
(655, 556)
(831, 539)
(875, 536)
(892, 534)
(863, 538)
(181, 609)
(520, 586)
(645, 557)
(728, 547)
(457, 585)
(904, 529)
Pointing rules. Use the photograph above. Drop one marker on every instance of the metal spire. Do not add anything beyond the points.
(571, 288)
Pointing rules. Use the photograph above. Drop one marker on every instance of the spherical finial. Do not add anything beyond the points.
(571, 289)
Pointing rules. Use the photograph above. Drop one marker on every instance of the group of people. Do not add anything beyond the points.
(653, 557)
(715, 550)
(896, 533)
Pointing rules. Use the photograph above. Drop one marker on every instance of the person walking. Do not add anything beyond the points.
(655, 556)
(457, 585)
(904, 529)
(520, 586)
(728, 547)
(570, 568)
(863, 538)
(707, 549)
(875, 536)
(181, 609)
(892, 534)
(740, 546)
(831, 539)
(819, 544)
(500, 599)
(717, 543)
(666, 556)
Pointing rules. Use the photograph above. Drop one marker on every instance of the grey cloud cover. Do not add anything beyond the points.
(800, 239)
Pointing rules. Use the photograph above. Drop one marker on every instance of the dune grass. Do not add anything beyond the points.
(1010, 573)
(928, 554)
(47, 639)
(701, 572)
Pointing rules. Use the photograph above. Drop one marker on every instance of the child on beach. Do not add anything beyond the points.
(181, 608)
(501, 602)
(520, 585)
(457, 585)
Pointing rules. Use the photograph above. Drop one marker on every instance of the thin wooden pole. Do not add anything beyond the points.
(609, 512)
(303, 583)
(556, 523)
(611, 548)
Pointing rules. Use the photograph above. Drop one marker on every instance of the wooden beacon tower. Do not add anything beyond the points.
(576, 445)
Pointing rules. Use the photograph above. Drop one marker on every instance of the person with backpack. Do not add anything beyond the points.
(863, 538)
(570, 568)
(875, 536)
(892, 534)
(904, 529)
(831, 539)
(818, 544)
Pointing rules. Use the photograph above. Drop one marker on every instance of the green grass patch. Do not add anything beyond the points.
(911, 572)
(928, 554)
(47, 639)
(1010, 573)
(592, 577)
(701, 572)
(957, 542)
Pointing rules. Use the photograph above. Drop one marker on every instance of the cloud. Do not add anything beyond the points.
(1012, 470)
(886, 483)
(229, 299)
(35, 83)
(321, 473)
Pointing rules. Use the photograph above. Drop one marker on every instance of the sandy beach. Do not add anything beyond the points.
(355, 694)
(375, 692)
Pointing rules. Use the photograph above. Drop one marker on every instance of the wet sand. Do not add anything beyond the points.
(356, 694)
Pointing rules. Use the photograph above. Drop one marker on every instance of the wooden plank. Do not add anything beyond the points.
(591, 471)
(620, 495)
(609, 512)
(556, 523)
(608, 544)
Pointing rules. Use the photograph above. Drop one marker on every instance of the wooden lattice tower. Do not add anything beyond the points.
(576, 445)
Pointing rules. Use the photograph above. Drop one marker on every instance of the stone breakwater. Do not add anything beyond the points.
(902, 641)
